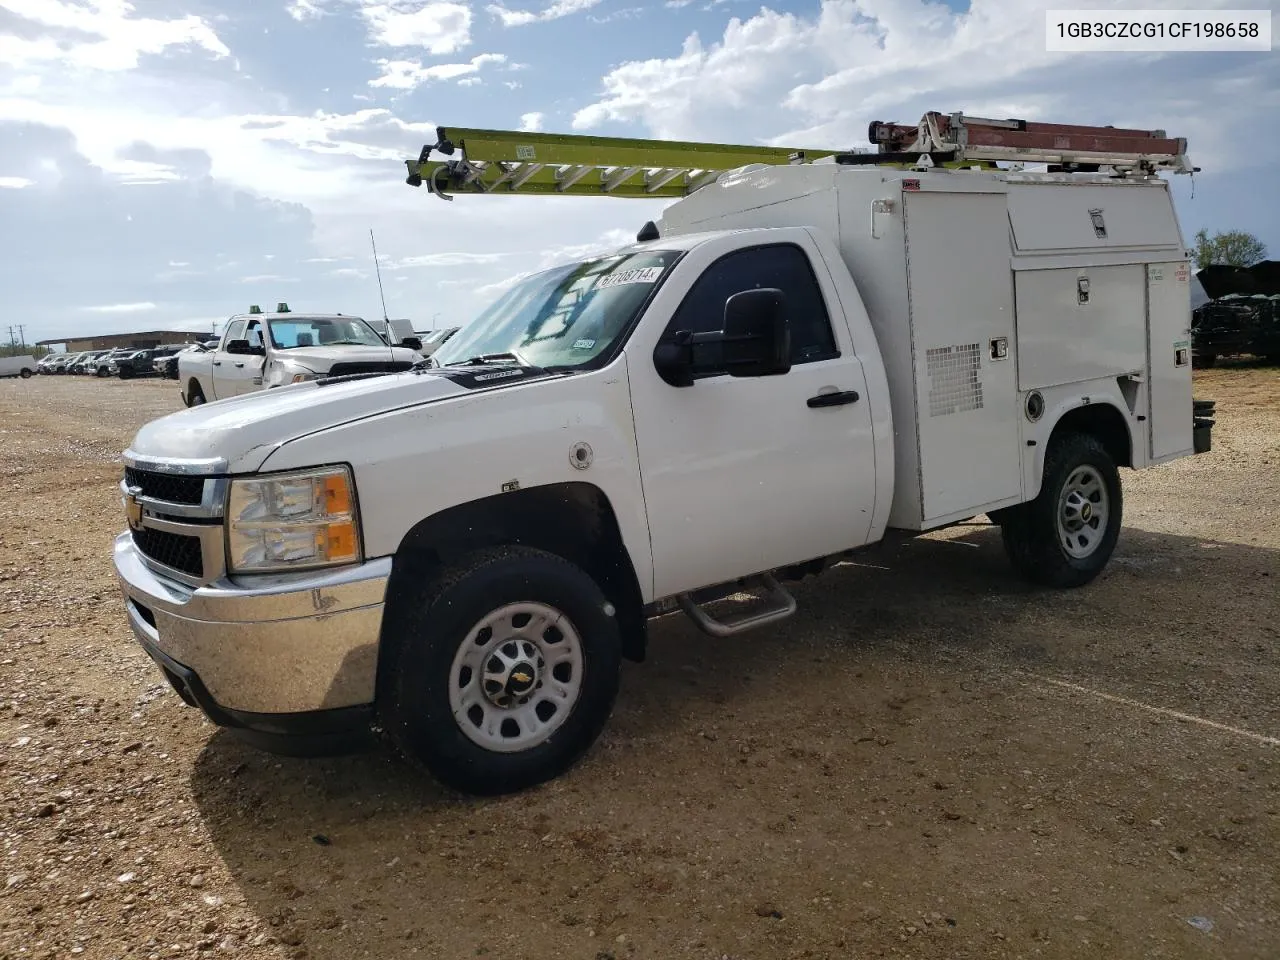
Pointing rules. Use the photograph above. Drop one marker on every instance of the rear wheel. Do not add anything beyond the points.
(501, 672)
(1066, 535)
(25, 374)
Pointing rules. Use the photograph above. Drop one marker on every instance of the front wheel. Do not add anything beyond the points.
(501, 672)
(1066, 535)
(25, 374)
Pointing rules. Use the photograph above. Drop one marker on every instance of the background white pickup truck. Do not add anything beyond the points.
(796, 360)
(258, 351)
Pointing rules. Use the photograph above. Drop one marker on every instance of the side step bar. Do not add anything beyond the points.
(780, 606)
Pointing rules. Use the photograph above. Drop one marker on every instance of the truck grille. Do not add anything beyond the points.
(173, 550)
(373, 366)
(169, 487)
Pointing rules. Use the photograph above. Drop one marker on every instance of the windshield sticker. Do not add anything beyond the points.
(583, 344)
(642, 275)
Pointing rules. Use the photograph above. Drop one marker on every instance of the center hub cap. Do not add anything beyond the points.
(521, 680)
(1086, 511)
(512, 672)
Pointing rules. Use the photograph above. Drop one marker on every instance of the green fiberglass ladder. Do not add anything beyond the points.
(512, 162)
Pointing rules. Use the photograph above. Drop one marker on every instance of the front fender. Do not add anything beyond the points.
(414, 462)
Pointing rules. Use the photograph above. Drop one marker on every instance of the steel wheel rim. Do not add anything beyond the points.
(516, 677)
(1084, 508)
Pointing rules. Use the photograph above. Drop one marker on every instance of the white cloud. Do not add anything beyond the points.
(103, 35)
(121, 308)
(15, 183)
(439, 27)
(304, 9)
(411, 74)
(269, 278)
(531, 122)
(561, 8)
(816, 81)
(455, 258)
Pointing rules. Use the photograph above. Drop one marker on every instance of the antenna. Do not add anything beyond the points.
(379, 270)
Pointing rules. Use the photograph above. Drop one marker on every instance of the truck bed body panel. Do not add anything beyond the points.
(957, 278)
(961, 310)
(1169, 344)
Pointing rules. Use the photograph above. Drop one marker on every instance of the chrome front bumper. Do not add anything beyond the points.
(289, 644)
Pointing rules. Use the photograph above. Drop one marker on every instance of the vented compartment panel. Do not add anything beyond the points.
(955, 383)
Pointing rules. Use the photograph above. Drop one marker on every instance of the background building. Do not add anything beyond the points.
(139, 341)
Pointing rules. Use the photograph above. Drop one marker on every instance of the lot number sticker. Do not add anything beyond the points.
(641, 275)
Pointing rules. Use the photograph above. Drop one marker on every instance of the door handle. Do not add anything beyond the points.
(217, 363)
(837, 398)
(240, 363)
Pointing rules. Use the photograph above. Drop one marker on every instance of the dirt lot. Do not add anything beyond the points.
(929, 760)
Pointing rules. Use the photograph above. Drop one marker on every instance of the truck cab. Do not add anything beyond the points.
(260, 351)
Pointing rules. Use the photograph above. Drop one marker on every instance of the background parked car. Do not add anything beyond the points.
(141, 363)
(102, 365)
(167, 365)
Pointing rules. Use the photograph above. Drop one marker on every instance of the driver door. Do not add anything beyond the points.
(242, 373)
(746, 474)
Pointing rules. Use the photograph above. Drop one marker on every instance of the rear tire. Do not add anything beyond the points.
(25, 374)
(501, 671)
(1065, 536)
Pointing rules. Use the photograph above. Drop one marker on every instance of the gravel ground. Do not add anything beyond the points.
(929, 760)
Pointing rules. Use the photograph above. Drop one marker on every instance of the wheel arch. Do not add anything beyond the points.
(573, 520)
(1100, 417)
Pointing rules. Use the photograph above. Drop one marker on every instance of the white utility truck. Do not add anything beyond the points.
(259, 351)
(802, 355)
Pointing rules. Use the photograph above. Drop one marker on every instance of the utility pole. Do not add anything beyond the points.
(22, 337)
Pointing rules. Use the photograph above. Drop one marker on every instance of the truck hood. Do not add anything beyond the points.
(320, 359)
(244, 430)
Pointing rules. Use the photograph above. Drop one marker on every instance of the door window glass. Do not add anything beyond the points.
(783, 266)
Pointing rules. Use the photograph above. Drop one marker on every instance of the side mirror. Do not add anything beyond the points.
(756, 335)
(244, 348)
(755, 341)
(413, 343)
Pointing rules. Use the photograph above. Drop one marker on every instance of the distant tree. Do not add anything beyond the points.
(1234, 248)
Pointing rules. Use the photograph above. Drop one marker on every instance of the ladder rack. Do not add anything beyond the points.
(505, 161)
(512, 162)
(1074, 147)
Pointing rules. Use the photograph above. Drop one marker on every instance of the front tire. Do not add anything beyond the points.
(501, 671)
(1065, 536)
(195, 396)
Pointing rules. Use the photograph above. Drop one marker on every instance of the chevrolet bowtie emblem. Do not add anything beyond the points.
(132, 508)
(521, 677)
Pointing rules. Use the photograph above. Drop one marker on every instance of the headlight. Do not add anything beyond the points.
(286, 373)
(292, 521)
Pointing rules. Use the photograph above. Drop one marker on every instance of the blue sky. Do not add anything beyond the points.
(165, 163)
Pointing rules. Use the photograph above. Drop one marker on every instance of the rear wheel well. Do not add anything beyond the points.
(574, 521)
(1103, 421)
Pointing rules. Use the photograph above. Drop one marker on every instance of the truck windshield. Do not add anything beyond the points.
(322, 332)
(565, 317)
